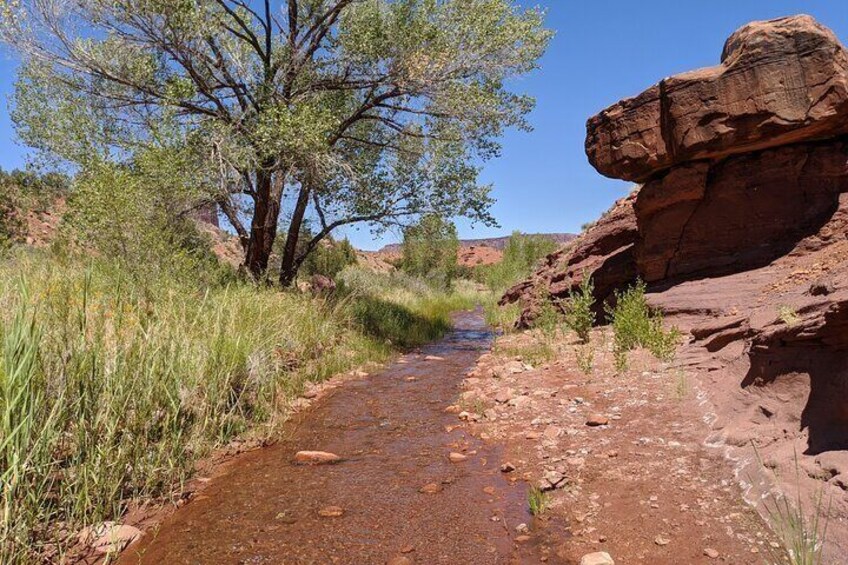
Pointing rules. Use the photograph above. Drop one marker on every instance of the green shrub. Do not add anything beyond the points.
(122, 214)
(521, 256)
(636, 324)
(329, 259)
(501, 318)
(430, 251)
(537, 501)
(549, 318)
(579, 315)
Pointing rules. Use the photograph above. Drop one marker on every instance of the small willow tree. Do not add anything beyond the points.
(430, 249)
(338, 111)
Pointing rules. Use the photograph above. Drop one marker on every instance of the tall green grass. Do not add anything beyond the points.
(111, 387)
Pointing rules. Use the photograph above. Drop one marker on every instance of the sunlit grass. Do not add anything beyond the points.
(111, 387)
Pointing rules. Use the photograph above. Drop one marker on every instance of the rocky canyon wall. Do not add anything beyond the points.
(739, 228)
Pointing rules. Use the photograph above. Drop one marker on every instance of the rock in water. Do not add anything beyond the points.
(316, 458)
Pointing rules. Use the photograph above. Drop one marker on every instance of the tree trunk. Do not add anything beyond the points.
(263, 228)
(291, 263)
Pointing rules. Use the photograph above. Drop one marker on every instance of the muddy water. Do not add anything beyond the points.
(392, 430)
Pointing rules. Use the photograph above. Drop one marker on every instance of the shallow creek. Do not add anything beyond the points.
(395, 438)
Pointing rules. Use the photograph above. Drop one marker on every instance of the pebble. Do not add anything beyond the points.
(457, 457)
(597, 420)
(599, 558)
(552, 432)
(315, 458)
(711, 553)
(661, 541)
(507, 468)
(504, 396)
(431, 488)
(331, 512)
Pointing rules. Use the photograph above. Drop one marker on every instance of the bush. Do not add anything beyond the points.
(636, 324)
(430, 251)
(549, 319)
(501, 318)
(329, 259)
(579, 315)
(521, 256)
(120, 213)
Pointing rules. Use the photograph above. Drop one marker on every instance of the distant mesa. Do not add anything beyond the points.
(476, 252)
(498, 243)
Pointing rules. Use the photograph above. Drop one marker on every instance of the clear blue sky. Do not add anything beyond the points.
(604, 50)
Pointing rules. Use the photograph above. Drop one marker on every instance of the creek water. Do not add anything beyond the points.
(395, 437)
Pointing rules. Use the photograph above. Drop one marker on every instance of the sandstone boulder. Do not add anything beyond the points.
(780, 81)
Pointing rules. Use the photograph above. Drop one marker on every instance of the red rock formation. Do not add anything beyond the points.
(740, 231)
(781, 81)
(742, 212)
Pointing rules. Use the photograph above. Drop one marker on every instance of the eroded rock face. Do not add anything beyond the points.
(710, 218)
(741, 231)
(779, 82)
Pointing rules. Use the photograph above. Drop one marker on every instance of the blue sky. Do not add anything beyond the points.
(604, 50)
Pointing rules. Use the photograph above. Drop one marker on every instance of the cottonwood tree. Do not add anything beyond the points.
(342, 111)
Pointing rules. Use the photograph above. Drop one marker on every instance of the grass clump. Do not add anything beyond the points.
(682, 388)
(585, 356)
(636, 324)
(501, 318)
(521, 255)
(537, 501)
(803, 536)
(788, 315)
(579, 315)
